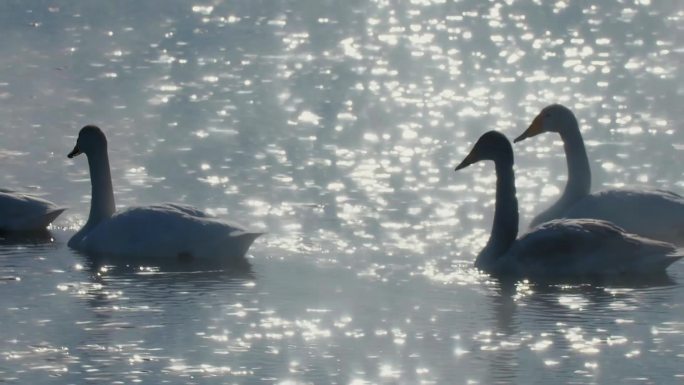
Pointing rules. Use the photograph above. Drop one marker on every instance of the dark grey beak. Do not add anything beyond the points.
(463, 165)
(76, 151)
(470, 159)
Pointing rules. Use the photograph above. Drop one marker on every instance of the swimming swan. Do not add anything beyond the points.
(25, 213)
(563, 247)
(655, 214)
(164, 230)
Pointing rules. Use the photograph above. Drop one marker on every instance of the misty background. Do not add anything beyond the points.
(334, 126)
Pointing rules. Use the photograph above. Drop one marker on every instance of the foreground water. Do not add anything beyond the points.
(335, 127)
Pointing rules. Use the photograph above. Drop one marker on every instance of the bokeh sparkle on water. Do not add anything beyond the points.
(335, 127)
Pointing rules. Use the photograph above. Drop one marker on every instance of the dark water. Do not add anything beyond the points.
(334, 126)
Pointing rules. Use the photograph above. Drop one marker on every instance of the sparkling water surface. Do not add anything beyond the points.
(334, 126)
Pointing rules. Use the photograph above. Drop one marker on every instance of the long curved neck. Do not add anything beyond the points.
(579, 173)
(505, 226)
(102, 205)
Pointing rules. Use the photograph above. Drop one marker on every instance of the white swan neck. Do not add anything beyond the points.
(579, 172)
(505, 225)
(102, 204)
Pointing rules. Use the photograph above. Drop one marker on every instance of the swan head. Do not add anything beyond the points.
(553, 118)
(90, 140)
(492, 145)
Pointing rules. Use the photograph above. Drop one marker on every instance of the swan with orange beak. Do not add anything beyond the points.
(652, 213)
(559, 248)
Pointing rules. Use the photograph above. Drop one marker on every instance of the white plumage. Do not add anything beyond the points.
(586, 247)
(653, 213)
(22, 212)
(166, 230)
(564, 247)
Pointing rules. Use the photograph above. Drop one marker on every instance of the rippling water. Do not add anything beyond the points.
(334, 126)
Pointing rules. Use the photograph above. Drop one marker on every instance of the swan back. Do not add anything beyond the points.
(586, 247)
(167, 231)
(21, 212)
(655, 214)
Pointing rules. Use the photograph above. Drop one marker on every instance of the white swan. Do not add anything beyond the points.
(165, 230)
(655, 214)
(563, 247)
(25, 213)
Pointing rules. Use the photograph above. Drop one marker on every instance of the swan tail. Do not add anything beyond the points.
(245, 241)
(659, 263)
(233, 246)
(40, 222)
(675, 256)
(51, 215)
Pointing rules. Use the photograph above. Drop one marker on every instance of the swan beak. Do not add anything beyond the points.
(470, 159)
(533, 130)
(76, 151)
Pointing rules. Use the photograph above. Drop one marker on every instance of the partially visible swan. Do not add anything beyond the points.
(164, 230)
(655, 214)
(563, 247)
(25, 213)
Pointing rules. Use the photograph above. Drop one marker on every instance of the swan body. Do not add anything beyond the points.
(586, 247)
(656, 214)
(563, 247)
(25, 213)
(166, 230)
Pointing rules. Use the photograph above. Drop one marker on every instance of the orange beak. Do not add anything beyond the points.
(533, 130)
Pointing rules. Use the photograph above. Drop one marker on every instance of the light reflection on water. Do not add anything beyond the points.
(333, 126)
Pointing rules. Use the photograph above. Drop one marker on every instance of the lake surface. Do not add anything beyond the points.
(334, 126)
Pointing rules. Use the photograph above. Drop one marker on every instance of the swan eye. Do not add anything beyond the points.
(547, 115)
